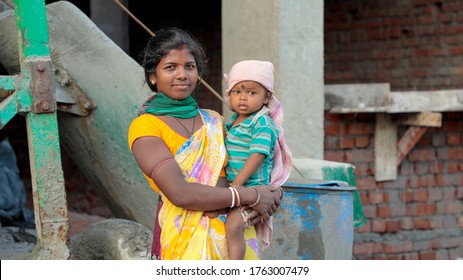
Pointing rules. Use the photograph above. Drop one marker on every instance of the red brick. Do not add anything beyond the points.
(362, 141)
(375, 198)
(407, 196)
(436, 167)
(392, 226)
(363, 197)
(365, 228)
(452, 167)
(386, 197)
(421, 196)
(422, 224)
(384, 211)
(427, 255)
(378, 225)
(423, 209)
(334, 129)
(367, 248)
(420, 209)
(360, 128)
(453, 139)
(346, 143)
(398, 247)
(440, 180)
(367, 183)
(425, 181)
(332, 117)
(456, 51)
(455, 153)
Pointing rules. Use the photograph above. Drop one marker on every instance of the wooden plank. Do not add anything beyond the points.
(419, 119)
(408, 141)
(385, 148)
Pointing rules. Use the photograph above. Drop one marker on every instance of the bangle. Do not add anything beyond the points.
(159, 165)
(234, 186)
(233, 198)
(257, 200)
(282, 192)
(238, 199)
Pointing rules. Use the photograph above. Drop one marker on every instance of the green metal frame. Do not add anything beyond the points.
(31, 92)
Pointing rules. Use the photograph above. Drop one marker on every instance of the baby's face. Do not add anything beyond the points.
(248, 97)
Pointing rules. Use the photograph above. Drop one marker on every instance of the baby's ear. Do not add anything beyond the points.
(268, 97)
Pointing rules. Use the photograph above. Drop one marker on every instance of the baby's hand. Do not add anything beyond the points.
(211, 214)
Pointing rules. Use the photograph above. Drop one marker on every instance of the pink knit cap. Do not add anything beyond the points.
(249, 70)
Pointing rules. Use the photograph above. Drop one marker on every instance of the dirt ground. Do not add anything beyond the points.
(16, 243)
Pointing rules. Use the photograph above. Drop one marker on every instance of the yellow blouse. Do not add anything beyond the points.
(150, 125)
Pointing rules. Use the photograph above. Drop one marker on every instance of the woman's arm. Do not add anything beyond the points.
(151, 154)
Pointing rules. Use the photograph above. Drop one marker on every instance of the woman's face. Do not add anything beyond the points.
(176, 74)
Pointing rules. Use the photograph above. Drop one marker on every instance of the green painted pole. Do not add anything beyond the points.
(50, 206)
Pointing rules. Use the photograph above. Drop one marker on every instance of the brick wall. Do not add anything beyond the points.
(413, 45)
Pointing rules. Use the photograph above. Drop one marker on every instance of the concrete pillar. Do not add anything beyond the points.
(112, 20)
(289, 33)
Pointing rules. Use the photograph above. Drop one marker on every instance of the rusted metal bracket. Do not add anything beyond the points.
(69, 96)
(42, 89)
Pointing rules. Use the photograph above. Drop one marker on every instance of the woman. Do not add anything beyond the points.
(181, 151)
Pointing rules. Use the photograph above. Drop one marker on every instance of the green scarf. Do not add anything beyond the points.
(162, 105)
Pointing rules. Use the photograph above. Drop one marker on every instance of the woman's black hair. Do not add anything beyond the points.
(169, 39)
